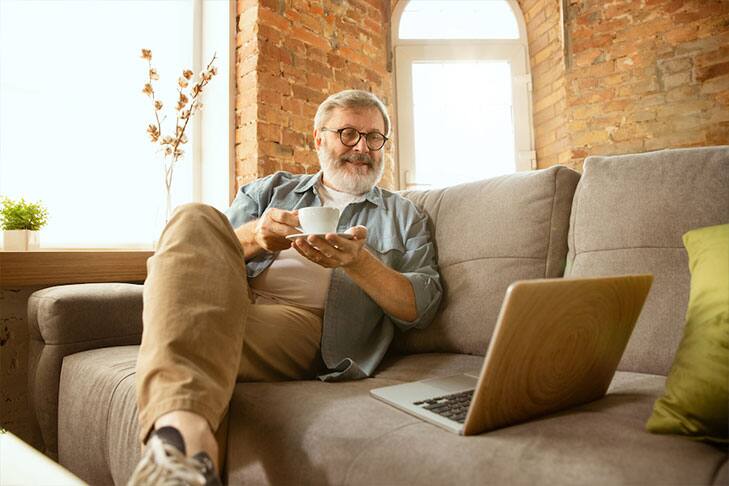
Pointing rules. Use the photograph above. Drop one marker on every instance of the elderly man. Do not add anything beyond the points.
(229, 298)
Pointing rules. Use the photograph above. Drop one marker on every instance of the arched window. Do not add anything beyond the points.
(463, 91)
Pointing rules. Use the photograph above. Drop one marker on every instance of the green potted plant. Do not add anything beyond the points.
(21, 222)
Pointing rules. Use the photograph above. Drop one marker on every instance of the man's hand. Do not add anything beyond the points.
(268, 233)
(332, 251)
(390, 289)
(273, 227)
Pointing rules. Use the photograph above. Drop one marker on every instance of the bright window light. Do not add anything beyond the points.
(73, 116)
(458, 19)
(463, 124)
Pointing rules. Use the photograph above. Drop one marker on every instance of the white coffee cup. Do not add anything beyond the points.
(319, 220)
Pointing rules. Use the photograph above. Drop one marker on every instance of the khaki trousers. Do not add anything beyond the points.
(201, 331)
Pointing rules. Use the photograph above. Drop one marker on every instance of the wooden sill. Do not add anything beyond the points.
(66, 266)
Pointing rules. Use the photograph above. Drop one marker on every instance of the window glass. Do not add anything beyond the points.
(463, 127)
(458, 19)
(73, 119)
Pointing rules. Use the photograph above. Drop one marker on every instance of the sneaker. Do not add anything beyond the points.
(164, 463)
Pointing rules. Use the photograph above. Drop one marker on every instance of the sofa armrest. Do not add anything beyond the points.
(86, 313)
(68, 319)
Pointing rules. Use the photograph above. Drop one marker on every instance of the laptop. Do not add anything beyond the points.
(556, 345)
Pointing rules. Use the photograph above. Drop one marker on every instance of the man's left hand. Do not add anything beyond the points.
(332, 251)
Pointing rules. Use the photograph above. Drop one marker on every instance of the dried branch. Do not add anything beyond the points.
(186, 107)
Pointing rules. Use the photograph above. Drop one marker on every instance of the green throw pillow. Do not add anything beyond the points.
(696, 400)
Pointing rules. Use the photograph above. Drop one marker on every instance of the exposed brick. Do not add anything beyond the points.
(270, 4)
(317, 82)
(685, 92)
(307, 37)
(682, 34)
(640, 75)
(273, 52)
(713, 71)
(273, 115)
(296, 168)
(293, 15)
(269, 132)
(289, 57)
(355, 56)
(306, 94)
(641, 115)
(715, 86)
(590, 138)
(247, 19)
(671, 66)
(712, 56)
(336, 61)
(301, 123)
(269, 97)
(293, 138)
(275, 149)
(244, 5)
(292, 105)
(682, 108)
(266, 32)
(678, 139)
(273, 19)
(267, 165)
(718, 133)
(293, 74)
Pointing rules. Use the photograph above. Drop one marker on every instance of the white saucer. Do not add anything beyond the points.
(304, 235)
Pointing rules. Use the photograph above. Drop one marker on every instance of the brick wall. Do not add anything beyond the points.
(549, 97)
(625, 76)
(639, 75)
(290, 56)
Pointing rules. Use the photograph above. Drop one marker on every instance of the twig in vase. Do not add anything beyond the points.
(188, 103)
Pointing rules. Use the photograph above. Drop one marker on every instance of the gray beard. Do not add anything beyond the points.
(343, 180)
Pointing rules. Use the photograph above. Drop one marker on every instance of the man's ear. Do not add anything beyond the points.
(317, 139)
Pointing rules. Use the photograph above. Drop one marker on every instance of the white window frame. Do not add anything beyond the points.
(212, 131)
(409, 51)
(213, 157)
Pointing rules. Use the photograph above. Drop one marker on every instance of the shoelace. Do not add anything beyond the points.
(163, 464)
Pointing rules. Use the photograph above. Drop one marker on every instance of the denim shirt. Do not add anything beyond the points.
(356, 332)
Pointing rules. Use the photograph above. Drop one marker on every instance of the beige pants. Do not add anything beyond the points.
(201, 331)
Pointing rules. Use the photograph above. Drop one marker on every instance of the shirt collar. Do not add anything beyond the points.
(374, 195)
(307, 182)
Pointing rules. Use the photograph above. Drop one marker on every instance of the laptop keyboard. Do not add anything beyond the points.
(454, 406)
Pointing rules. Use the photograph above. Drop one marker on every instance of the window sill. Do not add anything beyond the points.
(67, 266)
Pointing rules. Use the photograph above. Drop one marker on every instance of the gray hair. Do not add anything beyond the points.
(351, 98)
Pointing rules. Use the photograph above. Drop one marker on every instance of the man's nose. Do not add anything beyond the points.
(361, 145)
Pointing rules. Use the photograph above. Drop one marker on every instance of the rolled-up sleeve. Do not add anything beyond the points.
(418, 264)
(246, 206)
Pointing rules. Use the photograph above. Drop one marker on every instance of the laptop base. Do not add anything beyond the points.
(405, 395)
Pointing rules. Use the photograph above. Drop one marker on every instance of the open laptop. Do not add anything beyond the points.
(556, 344)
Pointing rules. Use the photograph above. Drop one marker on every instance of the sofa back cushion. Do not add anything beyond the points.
(489, 234)
(628, 216)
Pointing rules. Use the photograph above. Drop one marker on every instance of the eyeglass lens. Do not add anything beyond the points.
(350, 137)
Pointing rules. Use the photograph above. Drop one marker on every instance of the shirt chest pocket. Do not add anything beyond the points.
(387, 247)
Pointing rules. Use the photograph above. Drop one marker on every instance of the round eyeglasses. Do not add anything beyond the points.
(350, 137)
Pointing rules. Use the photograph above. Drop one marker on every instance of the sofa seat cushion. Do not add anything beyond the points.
(325, 433)
(311, 432)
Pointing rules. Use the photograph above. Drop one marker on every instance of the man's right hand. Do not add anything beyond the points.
(268, 233)
(274, 226)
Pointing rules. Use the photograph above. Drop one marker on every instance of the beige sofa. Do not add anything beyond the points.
(626, 214)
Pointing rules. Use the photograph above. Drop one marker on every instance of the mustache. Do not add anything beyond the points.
(359, 158)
